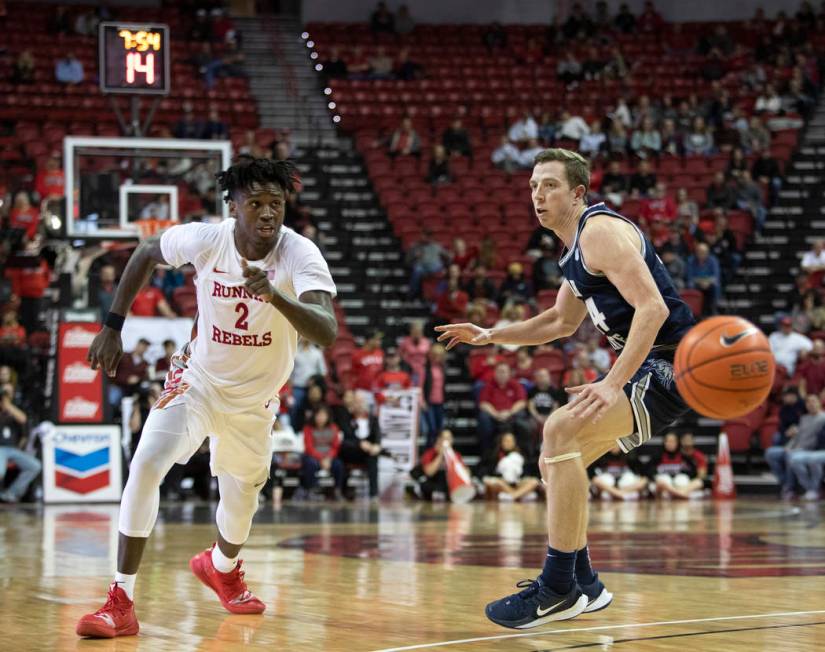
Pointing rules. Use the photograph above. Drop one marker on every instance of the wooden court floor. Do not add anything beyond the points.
(748, 575)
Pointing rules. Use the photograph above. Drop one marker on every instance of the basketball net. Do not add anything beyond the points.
(723, 486)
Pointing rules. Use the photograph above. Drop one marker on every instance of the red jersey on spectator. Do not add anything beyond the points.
(146, 302)
(673, 463)
(502, 398)
(431, 453)
(49, 183)
(27, 220)
(128, 367)
(661, 209)
(29, 282)
(483, 369)
(322, 443)
(392, 380)
(12, 335)
(700, 460)
(452, 305)
(367, 365)
(813, 371)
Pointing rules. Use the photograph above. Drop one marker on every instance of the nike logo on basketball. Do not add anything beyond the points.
(730, 341)
(543, 612)
(218, 271)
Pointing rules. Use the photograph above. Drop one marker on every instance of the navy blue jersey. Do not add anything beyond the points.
(608, 310)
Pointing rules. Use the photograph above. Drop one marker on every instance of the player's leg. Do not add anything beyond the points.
(218, 567)
(164, 441)
(555, 595)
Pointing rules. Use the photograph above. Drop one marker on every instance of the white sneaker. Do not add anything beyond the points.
(811, 495)
(504, 497)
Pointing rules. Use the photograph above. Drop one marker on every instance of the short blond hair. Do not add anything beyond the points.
(576, 166)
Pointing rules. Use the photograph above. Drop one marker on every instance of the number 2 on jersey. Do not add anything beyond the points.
(242, 323)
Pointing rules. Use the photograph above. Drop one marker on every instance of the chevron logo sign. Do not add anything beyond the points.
(81, 473)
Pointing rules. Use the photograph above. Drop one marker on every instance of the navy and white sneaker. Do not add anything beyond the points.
(535, 605)
(598, 597)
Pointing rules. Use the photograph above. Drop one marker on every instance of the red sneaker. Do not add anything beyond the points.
(230, 587)
(115, 618)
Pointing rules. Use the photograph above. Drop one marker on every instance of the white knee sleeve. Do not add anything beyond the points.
(237, 506)
(164, 441)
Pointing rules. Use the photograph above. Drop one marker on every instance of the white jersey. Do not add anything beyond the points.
(244, 348)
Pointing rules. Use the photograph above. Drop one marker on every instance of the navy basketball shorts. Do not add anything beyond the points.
(653, 397)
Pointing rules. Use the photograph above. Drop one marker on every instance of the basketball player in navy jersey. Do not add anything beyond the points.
(613, 274)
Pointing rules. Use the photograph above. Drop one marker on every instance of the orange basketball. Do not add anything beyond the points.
(724, 367)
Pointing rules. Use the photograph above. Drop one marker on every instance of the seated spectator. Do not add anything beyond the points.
(414, 349)
(404, 23)
(515, 288)
(699, 140)
(593, 65)
(361, 443)
(393, 376)
(617, 140)
(527, 156)
(617, 66)
(405, 140)
(430, 474)
(749, 198)
(506, 156)
(766, 170)
(381, 65)
(12, 448)
(150, 302)
(456, 139)
(188, 126)
(646, 140)
(215, 129)
(49, 181)
(479, 285)
(693, 455)
(382, 20)
(488, 252)
(722, 244)
(572, 127)
(659, 207)
(547, 274)
(507, 479)
(614, 183)
(797, 440)
(106, 290)
(309, 362)
(768, 101)
(164, 363)
(703, 273)
(670, 138)
(625, 21)
(813, 262)
(358, 66)
(809, 314)
(335, 67)
(13, 340)
(618, 476)
(523, 366)
(578, 23)
(438, 171)
(368, 362)
(435, 377)
(523, 129)
(132, 370)
(462, 255)
(24, 67)
(642, 180)
(599, 355)
(687, 210)
(737, 162)
(547, 129)
(675, 473)
(650, 20)
(502, 404)
(593, 144)
(543, 398)
(426, 257)
(452, 303)
(510, 314)
(787, 345)
(569, 69)
(23, 215)
(674, 264)
(722, 193)
(812, 370)
(581, 372)
(757, 138)
(322, 440)
(68, 70)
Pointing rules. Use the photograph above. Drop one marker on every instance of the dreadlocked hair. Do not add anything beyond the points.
(248, 170)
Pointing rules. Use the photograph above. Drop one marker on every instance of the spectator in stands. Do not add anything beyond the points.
(404, 23)
(157, 209)
(646, 140)
(581, 371)
(322, 440)
(594, 143)
(523, 366)
(309, 362)
(393, 376)
(808, 466)
(164, 363)
(406, 68)
(670, 138)
(358, 66)
(515, 288)
(456, 139)
(617, 141)
(703, 274)
(614, 183)
(675, 473)
(593, 65)
(506, 156)
(59, 23)
(796, 100)
(334, 66)
(547, 128)
(809, 314)
(23, 215)
(813, 261)
(502, 405)
(506, 478)
(766, 170)
(547, 274)
(674, 264)
(215, 128)
(599, 355)
(790, 412)
(796, 439)
(572, 127)
(188, 126)
(737, 162)
(24, 67)
(617, 67)
(131, 372)
(452, 301)
(150, 302)
(693, 455)
(414, 350)
(435, 378)
(462, 255)
(361, 443)
(405, 140)
(722, 192)
(430, 474)
(569, 69)
(686, 209)
(625, 21)
(527, 156)
(523, 129)
(12, 447)
(618, 476)
(438, 169)
(723, 245)
(13, 349)
(768, 101)
(68, 70)
(756, 138)
(650, 20)
(382, 20)
(642, 180)
(495, 38)
(811, 370)
(543, 398)
(699, 140)
(510, 314)
(659, 207)
(479, 285)
(787, 345)
(49, 181)
(426, 257)
(381, 65)
(749, 198)
(106, 291)
(368, 362)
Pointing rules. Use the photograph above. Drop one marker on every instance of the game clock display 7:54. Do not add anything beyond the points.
(134, 58)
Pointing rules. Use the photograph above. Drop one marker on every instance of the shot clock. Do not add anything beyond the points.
(134, 58)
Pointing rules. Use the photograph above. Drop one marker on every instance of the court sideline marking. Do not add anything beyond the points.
(536, 633)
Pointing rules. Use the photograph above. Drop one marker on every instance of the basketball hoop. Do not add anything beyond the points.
(151, 226)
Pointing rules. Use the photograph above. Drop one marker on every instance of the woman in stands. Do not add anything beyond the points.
(675, 473)
(507, 479)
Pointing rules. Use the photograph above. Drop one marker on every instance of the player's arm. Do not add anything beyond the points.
(312, 315)
(107, 349)
(554, 323)
(614, 251)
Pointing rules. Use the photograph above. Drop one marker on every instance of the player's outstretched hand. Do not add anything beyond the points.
(256, 281)
(593, 400)
(463, 333)
(106, 351)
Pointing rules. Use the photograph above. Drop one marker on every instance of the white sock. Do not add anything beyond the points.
(221, 562)
(127, 583)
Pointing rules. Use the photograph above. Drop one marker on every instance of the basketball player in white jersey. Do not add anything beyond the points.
(259, 285)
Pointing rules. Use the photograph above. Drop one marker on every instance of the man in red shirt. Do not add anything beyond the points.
(150, 302)
(132, 370)
(368, 362)
(502, 404)
(393, 376)
(812, 370)
(50, 181)
(23, 215)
